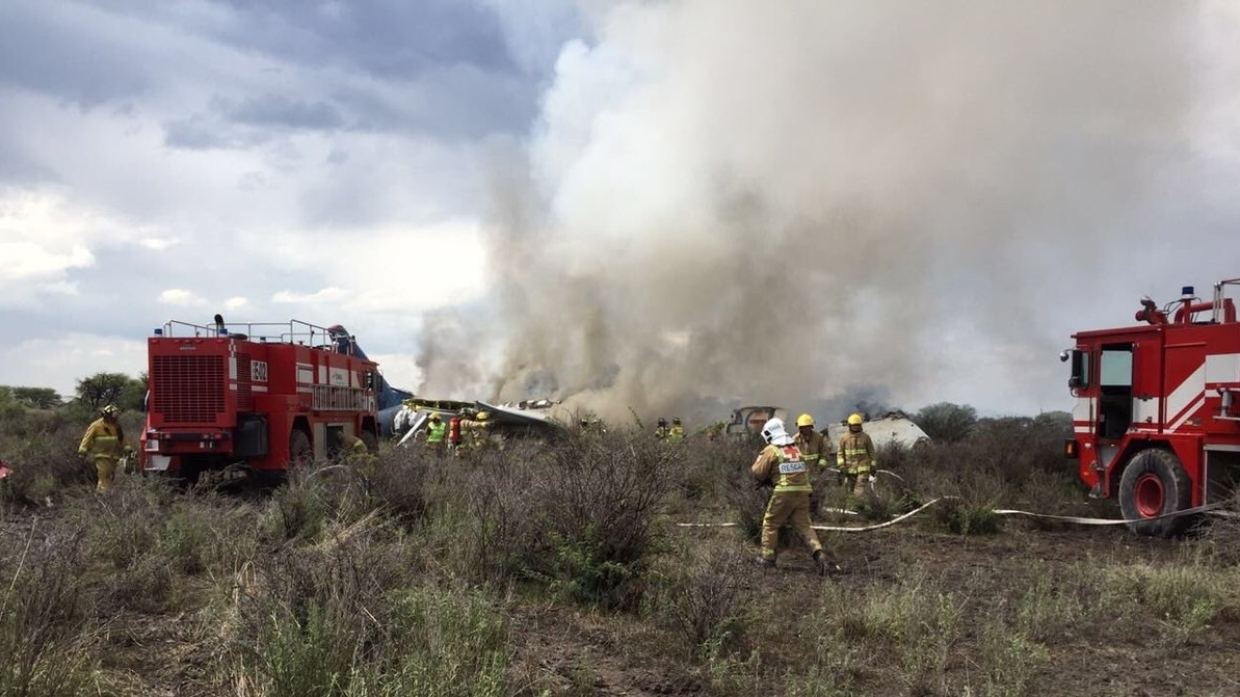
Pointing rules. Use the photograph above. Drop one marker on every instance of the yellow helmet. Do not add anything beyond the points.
(855, 420)
(484, 415)
(435, 416)
(110, 410)
(805, 420)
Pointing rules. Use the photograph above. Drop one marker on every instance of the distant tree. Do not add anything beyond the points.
(37, 397)
(134, 395)
(946, 422)
(103, 388)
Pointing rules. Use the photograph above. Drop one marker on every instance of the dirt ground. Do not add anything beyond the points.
(624, 658)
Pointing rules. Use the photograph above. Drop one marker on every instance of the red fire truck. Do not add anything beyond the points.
(230, 402)
(1157, 419)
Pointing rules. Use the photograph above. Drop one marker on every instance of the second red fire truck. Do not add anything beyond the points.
(229, 402)
(1157, 416)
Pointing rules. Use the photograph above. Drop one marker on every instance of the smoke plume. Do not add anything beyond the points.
(729, 202)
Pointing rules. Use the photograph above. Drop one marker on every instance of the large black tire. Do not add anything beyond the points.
(300, 450)
(1155, 484)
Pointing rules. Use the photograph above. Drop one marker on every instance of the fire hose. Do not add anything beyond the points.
(1079, 520)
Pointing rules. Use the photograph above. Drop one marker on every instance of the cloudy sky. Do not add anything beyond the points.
(641, 203)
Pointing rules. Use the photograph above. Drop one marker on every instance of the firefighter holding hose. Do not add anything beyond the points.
(782, 466)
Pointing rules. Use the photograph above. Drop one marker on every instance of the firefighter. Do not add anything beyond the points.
(436, 433)
(781, 465)
(356, 452)
(814, 450)
(855, 457)
(661, 431)
(454, 434)
(676, 433)
(474, 431)
(104, 444)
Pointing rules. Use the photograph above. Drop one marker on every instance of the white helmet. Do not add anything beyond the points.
(773, 432)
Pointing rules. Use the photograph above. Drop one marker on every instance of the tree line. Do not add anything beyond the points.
(124, 391)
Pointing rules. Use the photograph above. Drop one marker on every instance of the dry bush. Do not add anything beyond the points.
(47, 633)
(1002, 463)
(748, 503)
(703, 597)
(41, 449)
(595, 502)
(352, 616)
(397, 482)
(703, 469)
(577, 516)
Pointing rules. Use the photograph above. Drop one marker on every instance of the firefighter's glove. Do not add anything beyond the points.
(872, 478)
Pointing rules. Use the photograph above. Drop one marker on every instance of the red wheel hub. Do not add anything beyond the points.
(1149, 496)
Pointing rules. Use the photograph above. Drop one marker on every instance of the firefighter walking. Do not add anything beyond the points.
(782, 466)
(103, 445)
(855, 457)
(814, 450)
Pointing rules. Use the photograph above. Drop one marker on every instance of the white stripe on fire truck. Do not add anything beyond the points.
(1083, 415)
(1182, 399)
(305, 374)
(1223, 368)
(1189, 411)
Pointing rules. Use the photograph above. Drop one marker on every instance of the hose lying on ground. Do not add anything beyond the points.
(1002, 511)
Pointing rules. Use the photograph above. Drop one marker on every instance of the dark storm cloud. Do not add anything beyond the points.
(281, 110)
(438, 68)
(392, 38)
(46, 48)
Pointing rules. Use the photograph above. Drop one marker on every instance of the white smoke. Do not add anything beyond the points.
(781, 202)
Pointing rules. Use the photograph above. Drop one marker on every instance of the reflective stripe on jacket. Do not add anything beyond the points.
(784, 467)
(814, 449)
(856, 454)
(103, 439)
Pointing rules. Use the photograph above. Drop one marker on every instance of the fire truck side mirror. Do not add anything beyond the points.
(1064, 355)
(1080, 368)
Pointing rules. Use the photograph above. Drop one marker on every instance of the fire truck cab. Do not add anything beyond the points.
(1157, 414)
(231, 402)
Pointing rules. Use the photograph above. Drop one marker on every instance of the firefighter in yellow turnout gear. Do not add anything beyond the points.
(782, 466)
(815, 451)
(855, 457)
(676, 433)
(475, 432)
(104, 445)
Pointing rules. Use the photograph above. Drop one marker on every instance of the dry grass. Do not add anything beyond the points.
(556, 571)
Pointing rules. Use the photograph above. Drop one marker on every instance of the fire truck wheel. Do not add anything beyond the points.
(300, 451)
(1154, 484)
